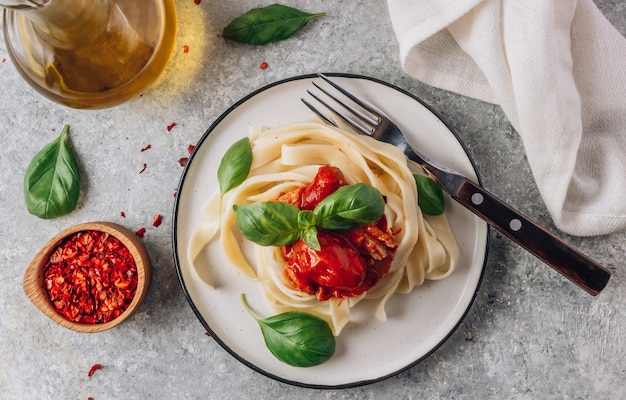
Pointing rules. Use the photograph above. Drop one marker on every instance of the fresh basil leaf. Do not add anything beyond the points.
(296, 338)
(267, 24)
(235, 165)
(277, 223)
(309, 236)
(306, 219)
(268, 224)
(52, 181)
(429, 195)
(350, 206)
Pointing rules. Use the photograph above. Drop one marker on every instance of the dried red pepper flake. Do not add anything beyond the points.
(183, 161)
(140, 232)
(122, 214)
(207, 333)
(93, 369)
(90, 277)
(263, 65)
(143, 168)
(191, 148)
(171, 126)
(197, 1)
(5, 60)
(185, 49)
(175, 193)
(148, 147)
(156, 221)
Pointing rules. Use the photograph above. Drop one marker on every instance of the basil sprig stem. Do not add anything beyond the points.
(277, 224)
(296, 338)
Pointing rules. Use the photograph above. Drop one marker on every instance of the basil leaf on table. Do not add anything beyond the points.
(429, 195)
(350, 206)
(296, 338)
(52, 181)
(267, 24)
(269, 223)
(235, 165)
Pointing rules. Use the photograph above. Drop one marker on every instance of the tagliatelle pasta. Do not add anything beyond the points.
(288, 157)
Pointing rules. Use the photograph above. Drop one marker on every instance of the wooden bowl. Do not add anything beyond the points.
(34, 275)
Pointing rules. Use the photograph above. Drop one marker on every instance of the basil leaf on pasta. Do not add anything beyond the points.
(306, 219)
(271, 223)
(235, 165)
(276, 223)
(429, 195)
(309, 236)
(350, 206)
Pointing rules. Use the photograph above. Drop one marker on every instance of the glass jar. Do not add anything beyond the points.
(90, 53)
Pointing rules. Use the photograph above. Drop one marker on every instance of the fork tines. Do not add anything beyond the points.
(364, 119)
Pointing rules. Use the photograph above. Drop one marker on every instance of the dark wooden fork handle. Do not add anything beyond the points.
(571, 263)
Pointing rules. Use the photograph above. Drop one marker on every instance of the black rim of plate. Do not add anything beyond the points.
(241, 359)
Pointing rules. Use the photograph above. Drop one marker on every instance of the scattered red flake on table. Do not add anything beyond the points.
(263, 65)
(207, 333)
(94, 368)
(148, 147)
(171, 126)
(175, 193)
(90, 277)
(157, 220)
(197, 1)
(90, 398)
(191, 148)
(4, 59)
(144, 168)
(122, 214)
(140, 232)
(185, 49)
(183, 161)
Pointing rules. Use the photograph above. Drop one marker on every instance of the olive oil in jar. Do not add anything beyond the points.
(93, 53)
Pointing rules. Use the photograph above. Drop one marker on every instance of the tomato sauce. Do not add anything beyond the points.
(349, 262)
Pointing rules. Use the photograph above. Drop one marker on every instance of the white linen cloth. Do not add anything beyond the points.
(558, 70)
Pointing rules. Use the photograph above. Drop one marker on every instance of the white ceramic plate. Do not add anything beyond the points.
(367, 350)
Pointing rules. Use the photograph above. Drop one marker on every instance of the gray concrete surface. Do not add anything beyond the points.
(530, 334)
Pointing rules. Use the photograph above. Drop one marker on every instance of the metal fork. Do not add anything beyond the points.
(369, 120)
